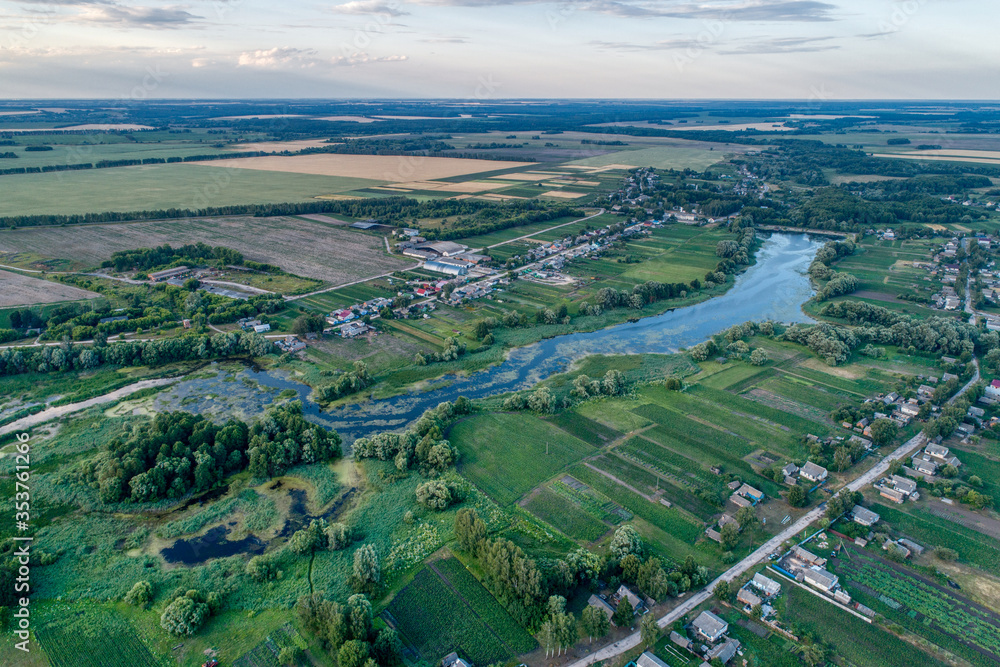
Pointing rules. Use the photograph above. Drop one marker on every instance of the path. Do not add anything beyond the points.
(355, 282)
(69, 408)
(528, 236)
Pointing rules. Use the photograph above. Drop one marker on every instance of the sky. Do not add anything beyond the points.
(500, 49)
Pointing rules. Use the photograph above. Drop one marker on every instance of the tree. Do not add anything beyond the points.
(945, 554)
(140, 595)
(290, 655)
(746, 516)
(649, 631)
(626, 541)
(359, 617)
(729, 535)
(595, 622)
(758, 357)
(184, 616)
(796, 496)
(624, 614)
(435, 494)
(756, 612)
(842, 459)
(470, 530)
(388, 648)
(722, 590)
(813, 654)
(338, 536)
(366, 566)
(884, 431)
(353, 653)
(975, 480)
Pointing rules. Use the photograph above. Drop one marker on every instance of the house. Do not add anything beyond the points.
(903, 485)
(624, 592)
(993, 389)
(820, 578)
(747, 598)
(710, 627)
(647, 659)
(680, 640)
(600, 603)
(354, 329)
(924, 467)
(864, 516)
(291, 344)
(713, 534)
(748, 491)
(909, 409)
(939, 455)
(452, 660)
(724, 652)
(975, 412)
(261, 328)
(813, 472)
(766, 585)
(790, 470)
(890, 398)
(911, 545)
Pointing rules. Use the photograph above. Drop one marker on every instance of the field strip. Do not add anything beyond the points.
(823, 384)
(69, 408)
(468, 606)
(528, 236)
(618, 481)
(413, 331)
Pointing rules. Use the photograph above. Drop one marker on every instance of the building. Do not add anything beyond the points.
(115, 318)
(680, 640)
(647, 659)
(625, 593)
(790, 470)
(452, 660)
(354, 329)
(724, 652)
(903, 485)
(167, 274)
(261, 328)
(443, 248)
(813, 472)
(603, 605)
(820, 578)
(710, 627)
(993, 389)
(892, 494)
(864, 516)
(911, 545)
(291, 344)
(748, 598)
(910, 409)
(940, 455)
(446, 268)
(740, 501)
(925, 467)
(807, 556)
(753, 494)
(769, 587)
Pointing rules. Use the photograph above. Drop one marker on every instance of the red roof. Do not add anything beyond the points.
(995, 384)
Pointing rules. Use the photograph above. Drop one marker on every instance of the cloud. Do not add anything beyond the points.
(141, 17)
(783, 45)
(278, 57)
(732, 10)
(445, 40)
(366, 7)
(364, 59)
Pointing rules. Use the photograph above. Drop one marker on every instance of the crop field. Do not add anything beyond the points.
(391, 168)
(445, 608)
(926, 608)
(17, 289)
(585, 429)
(565, 515)
(266, 653)
(972, 547)
(162, 186)
(661, 157)
(505, 455)
(504, 235)
(105, 640)
(335, 255)
(862, 644)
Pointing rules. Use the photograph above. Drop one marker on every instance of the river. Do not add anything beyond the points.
(774, 288)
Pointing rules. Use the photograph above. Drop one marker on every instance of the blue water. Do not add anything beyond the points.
(772, 289)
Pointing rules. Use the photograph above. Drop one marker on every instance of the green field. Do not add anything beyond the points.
(445, 609)
(661, 157)
(565, 515)
(931, 531)
(505, 454)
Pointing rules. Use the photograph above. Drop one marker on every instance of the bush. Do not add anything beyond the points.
(141, 595)
(184, 616)
(945, 554)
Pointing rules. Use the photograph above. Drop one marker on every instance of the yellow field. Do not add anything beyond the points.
(392, 168)
(563, 194)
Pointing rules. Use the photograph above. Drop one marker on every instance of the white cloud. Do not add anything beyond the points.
(366, 7)
(278, 57)
(365, 59)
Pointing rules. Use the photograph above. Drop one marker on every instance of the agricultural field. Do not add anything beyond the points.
(860, 643)
(163, 186)
(444, 608)
(506, 455)
(336, 255)
(563, 513)
(926, 608)
(97, 640)
(17, 289)
(386, 168)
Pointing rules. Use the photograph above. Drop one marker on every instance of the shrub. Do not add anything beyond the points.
(140, 595)
(184, 616)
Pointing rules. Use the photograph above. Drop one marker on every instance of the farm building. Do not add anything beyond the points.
(864, 516)
(813, 472)
(740, 501)
(790, 470)
(724, 652)
(889, 493)
(647, 659)
(820, 578)
(710, 627)
(680, 640)
(167, 274)
(261, 328)
(911, 545)
(446, 268)
(601, 604)
(807, 556)
(748, 598)
(443, 248)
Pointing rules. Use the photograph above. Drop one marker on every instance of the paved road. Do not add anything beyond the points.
(756, 557)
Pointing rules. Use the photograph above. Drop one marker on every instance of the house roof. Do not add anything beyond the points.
(810, 469)
(709, 624)
(820, 577)
(937, 451)
(746, 597)
(594, 601)
(747, 490)
(625, 592)
(766, 584)
(648, 659)
(903, 484)
(724, 652)
(863, 514)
